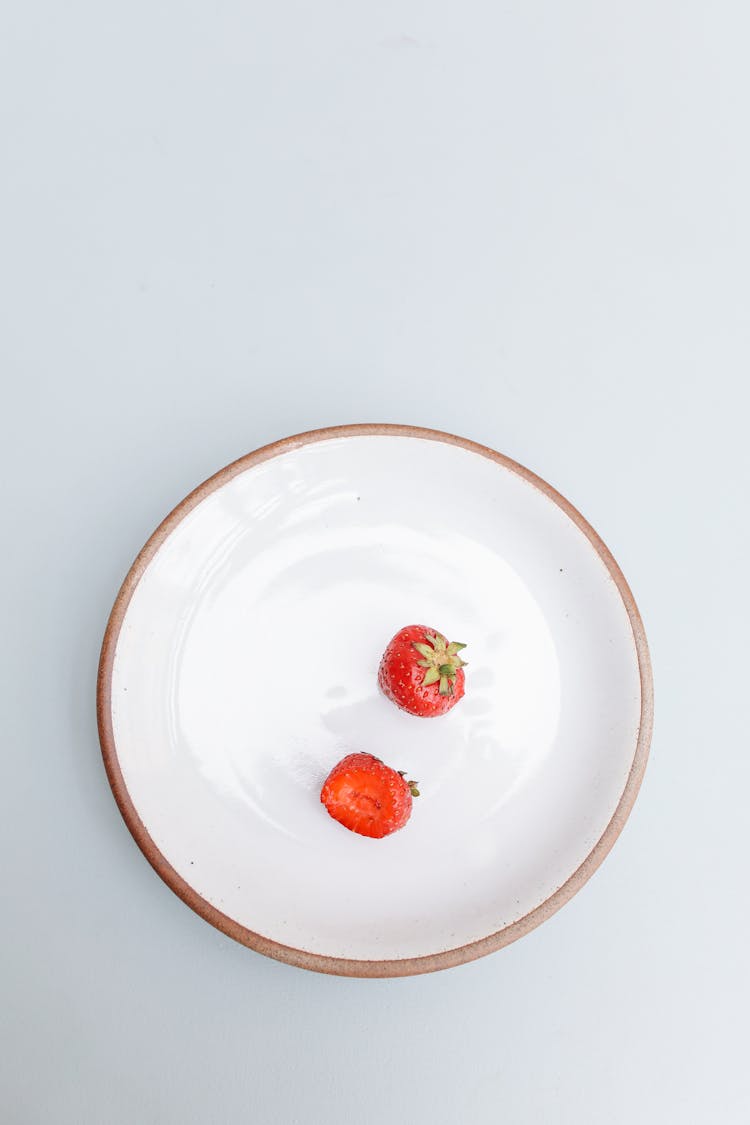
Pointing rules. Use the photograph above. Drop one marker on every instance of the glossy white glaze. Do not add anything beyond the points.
(246, 667)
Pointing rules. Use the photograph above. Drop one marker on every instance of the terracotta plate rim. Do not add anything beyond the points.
(339, 965)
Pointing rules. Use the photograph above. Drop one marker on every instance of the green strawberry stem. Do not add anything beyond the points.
(412, 784)
(441, 661)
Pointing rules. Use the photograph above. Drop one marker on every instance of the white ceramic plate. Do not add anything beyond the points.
(240, 664)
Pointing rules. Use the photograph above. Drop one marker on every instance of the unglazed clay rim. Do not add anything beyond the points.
(340, 965)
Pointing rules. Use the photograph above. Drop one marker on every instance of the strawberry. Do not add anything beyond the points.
(368, 797)
(421, 672)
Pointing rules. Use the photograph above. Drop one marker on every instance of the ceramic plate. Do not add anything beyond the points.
(239, 665)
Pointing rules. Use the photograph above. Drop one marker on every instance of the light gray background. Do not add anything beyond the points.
(523, 222)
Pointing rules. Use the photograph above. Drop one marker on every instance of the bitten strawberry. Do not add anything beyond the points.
(368, 797)
(421, 672)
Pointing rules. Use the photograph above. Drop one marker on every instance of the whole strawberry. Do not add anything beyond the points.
(421, 672)
(368, 797)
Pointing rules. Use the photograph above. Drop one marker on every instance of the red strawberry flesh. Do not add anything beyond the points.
(366, 796)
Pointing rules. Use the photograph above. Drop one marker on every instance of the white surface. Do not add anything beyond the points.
(246, 667)
(526, 223)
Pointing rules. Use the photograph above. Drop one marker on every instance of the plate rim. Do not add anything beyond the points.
(342, 966)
